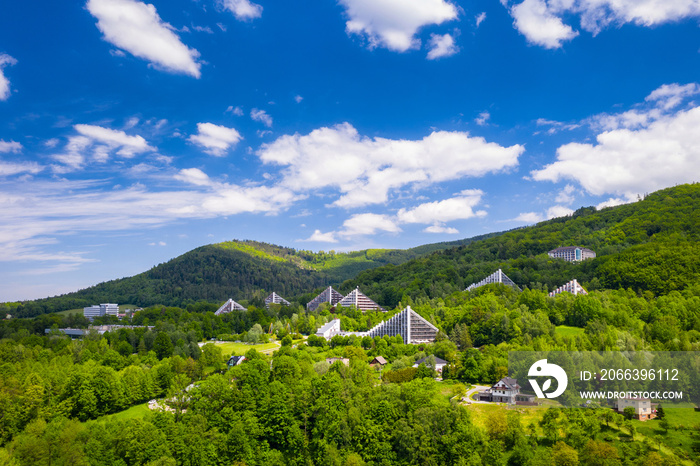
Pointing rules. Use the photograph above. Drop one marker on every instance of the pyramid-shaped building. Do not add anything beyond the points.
(497, 277)
(274, 298)
(407, 323)
(329, 295)
(572, 287)
(360, 301)
(229, 306)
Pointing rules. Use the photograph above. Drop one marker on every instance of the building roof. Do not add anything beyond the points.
(438, 361)
(229, 306)
(569, 248)
(379, 360)
(512, 384)
(235, 360)
(497, 277)
(573, 287)
(274, 298)
(327, 326)
(329, 295)
(360, 301)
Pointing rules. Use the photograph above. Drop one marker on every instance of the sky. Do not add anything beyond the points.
(132, 132)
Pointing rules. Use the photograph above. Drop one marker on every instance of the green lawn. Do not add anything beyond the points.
(566, 331)
(682, 436)
(239, 349)
(136, 411)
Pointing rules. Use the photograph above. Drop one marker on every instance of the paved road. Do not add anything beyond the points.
(474, 389)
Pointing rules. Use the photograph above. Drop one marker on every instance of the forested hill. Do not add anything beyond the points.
(244, 270)
(650, 245)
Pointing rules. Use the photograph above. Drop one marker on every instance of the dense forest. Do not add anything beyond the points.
(63, 400)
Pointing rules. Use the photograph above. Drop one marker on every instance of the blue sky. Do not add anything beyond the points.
(132, 132)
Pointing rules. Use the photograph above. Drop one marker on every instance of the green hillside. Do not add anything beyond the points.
(651, 245)
(247, 270)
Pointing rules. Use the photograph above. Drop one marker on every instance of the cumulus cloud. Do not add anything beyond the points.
(99, 143)
(393, 24)
(193, 176)
(365, 169)
(298, 99)
(539, 25)
(566, 195)
(243, 10)
(541, 21)
(659, 150)
(238, 111)
(11, 146)
(441, 46)
(612, 202)
(216, 140)
(559, 211)
(456, 208)
(261, 116)
(5, 60)
(320, 237)
(480, 18)
(136, 27)
(368, 224)
(529, 217)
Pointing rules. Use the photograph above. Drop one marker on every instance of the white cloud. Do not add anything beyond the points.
(529, 217)
(136, 27)
(612, 202)
(539, 25)
(394, 23)
(14, 168)
(660, 150)
(559, 211)
(483, 118)
(368, 224)
(320, 237)
(238, 111)
(11, 146)
(243, 10)
(5, 60)
(480, 18)
(35, 212)
(669, 96)
(128, 146)
(261, 116)
(456, 208)
(541, 21)
(441, 46)
(298, 99)
(566, 195)
(441, 229)
(193, 176)
(159, 243)
(215, 139)
(365, 170)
